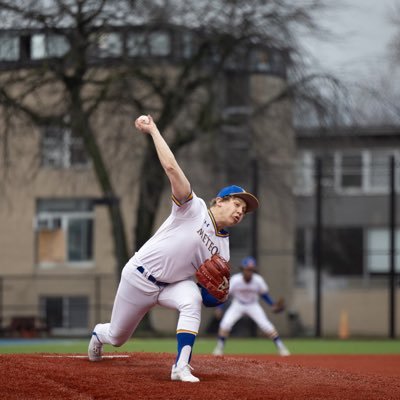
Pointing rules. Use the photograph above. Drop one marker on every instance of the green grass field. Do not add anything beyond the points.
(205, 346)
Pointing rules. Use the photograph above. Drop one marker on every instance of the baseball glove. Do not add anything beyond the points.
(279, 306)
(214, 275)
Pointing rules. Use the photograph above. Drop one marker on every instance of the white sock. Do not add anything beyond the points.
(184, 356)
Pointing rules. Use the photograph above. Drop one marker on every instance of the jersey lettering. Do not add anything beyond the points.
(212, 248)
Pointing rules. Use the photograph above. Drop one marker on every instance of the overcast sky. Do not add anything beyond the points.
(362, 31)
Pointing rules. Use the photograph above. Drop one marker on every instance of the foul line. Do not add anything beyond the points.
(76, 356)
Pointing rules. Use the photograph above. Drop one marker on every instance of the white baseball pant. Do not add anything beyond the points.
(254, 310)
(136, 296)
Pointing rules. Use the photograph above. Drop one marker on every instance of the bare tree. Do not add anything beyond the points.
(220, 35)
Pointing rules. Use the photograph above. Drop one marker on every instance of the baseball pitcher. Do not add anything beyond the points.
(191, 243)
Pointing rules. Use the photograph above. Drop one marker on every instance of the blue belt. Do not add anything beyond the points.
(151, 277)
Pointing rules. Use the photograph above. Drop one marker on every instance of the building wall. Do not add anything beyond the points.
(22, 281)
(352, 210)
(275, 143)
(367, 311)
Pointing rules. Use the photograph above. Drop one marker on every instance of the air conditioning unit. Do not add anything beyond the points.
(47, 223)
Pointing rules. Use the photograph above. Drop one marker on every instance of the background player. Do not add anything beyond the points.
(161, 271)
(245, 289)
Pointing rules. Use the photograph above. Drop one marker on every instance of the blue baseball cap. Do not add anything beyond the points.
(237, 191)
(249, 262)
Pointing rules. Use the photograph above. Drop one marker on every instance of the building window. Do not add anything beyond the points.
(69, 312)
(50, 45)
(148, 44)
(304, 173)
(61, 149)
(9, 47)
(260, 60)
(342, 252)
(377, 246)
(379, 172)
(351, 171)
(237, 89)
(187, 44)
(108, 45)
(64, 232)
(363, 171)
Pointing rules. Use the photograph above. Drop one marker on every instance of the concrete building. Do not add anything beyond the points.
(356, 224)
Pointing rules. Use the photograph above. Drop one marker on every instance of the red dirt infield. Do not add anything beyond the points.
(147, 376)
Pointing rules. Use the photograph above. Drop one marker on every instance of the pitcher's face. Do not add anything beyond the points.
(232, 210)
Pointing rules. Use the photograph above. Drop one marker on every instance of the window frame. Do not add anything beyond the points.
(366, 187)
(105, 48)
(141, 44)
(12, 43)
(62, 218)
(47, 49)
(65, 156)
(340, 172)
(384, 252)
(304, 169)
(65, 312)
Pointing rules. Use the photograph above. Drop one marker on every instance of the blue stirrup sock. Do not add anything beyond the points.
(278, 342)
(185, 345)
(221, 341)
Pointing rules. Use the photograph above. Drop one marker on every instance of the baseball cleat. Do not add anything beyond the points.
(95, 349)
(218, 351)
(183, 374)
(284, 352)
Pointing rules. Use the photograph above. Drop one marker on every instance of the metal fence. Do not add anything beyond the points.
(335, 253)
(347, 241)
(54, 304)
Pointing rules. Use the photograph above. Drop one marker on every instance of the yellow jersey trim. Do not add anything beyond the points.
(221, 233)
(186, 331)
(178, 203)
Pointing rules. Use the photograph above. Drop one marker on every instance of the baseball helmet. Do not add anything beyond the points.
(249, 262)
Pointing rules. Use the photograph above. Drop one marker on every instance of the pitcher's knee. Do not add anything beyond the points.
(118, 340)
(190, 313)
(191, 304)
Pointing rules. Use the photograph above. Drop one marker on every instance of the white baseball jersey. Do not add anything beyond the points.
(247, 292)
(183, 242)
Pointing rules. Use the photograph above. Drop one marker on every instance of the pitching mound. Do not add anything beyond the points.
(146, 376)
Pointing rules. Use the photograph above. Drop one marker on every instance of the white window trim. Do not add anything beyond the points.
(382, 190)
(307, 170)
(366, 187)
(338, 172)
(385, 251)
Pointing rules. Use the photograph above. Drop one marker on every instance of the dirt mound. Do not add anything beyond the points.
(147, 376)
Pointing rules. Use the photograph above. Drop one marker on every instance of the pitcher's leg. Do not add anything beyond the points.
(185, 297)
(132, 301)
